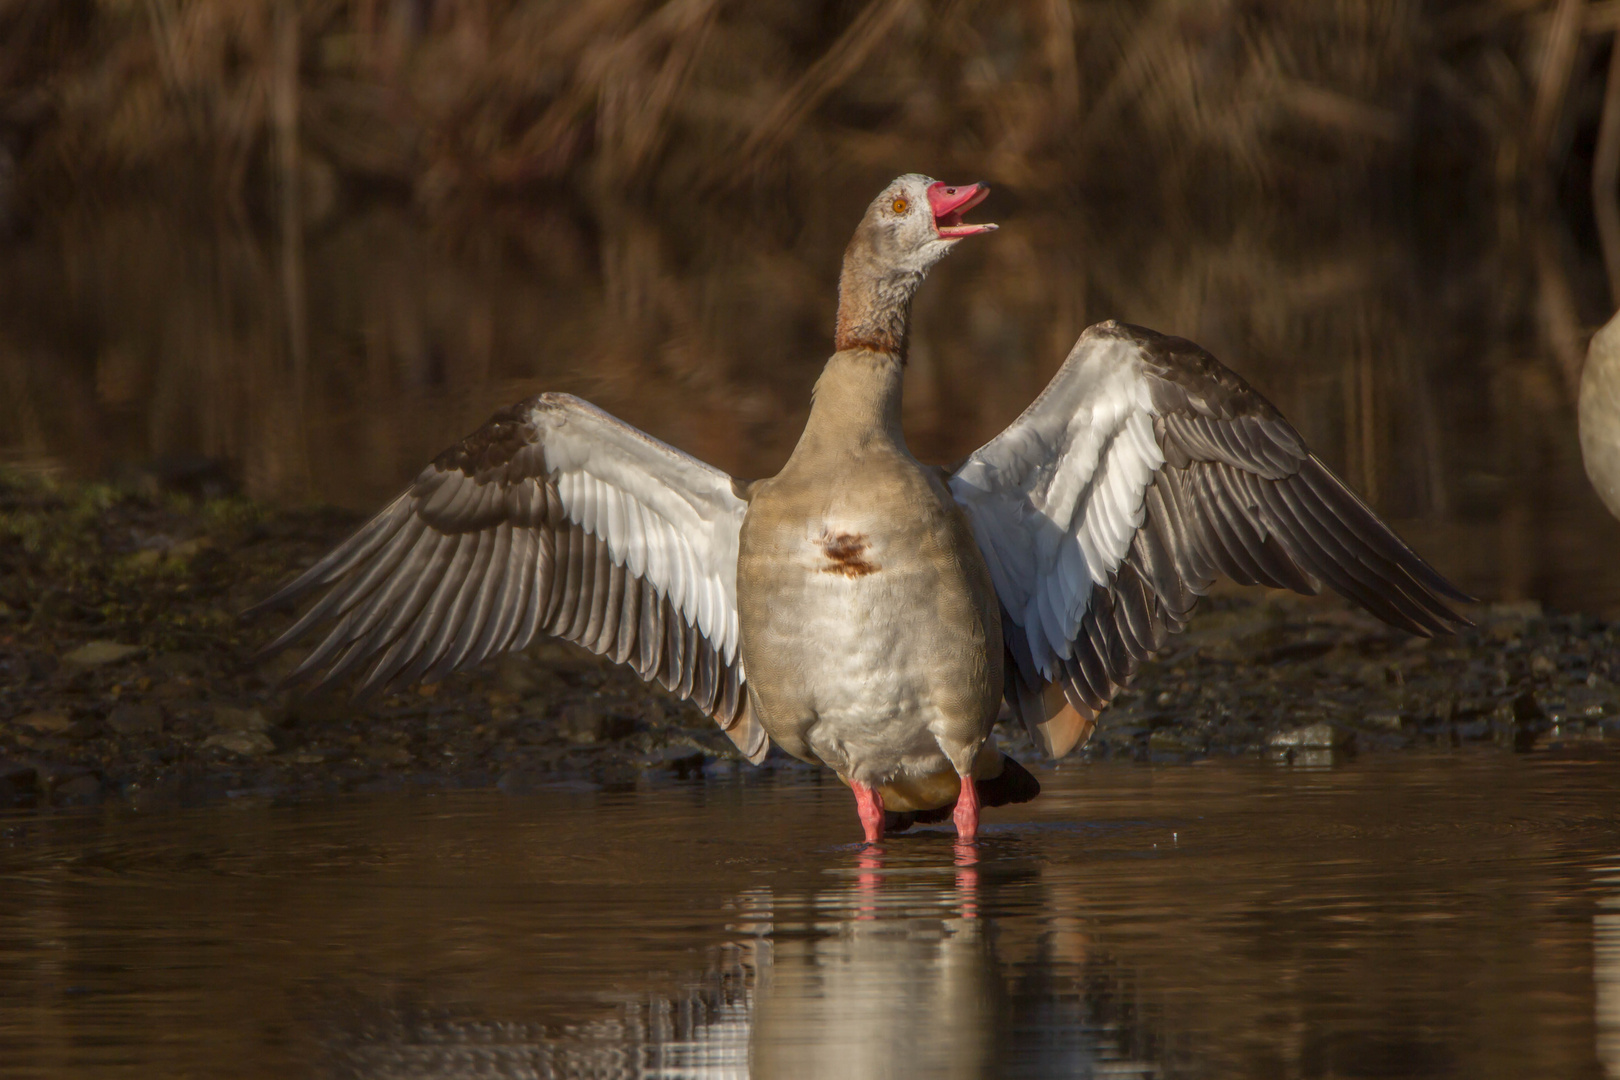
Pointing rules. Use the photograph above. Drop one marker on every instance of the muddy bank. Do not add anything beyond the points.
(125, 673)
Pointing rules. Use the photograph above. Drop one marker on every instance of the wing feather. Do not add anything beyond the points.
(552, 516)
(1143, 471)
(497, 571)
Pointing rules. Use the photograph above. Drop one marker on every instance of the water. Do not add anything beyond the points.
(1420, 915)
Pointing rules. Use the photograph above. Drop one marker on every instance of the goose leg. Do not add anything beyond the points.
(869, 802)
(966, 816)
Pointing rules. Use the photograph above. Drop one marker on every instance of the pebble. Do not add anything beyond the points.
(45, 723)
(1312, 735)
(1176, 741)
(390, 755)
(589, 722)
(232, 718)
(179, 664)
(246, 743)
(81, 789)
(94, 654)
(133, 718)
(683, 761)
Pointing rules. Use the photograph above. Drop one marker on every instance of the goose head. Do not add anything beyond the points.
(915, 221)
(910, 226)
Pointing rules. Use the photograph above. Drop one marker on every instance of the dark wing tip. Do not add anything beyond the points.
(1257, 477)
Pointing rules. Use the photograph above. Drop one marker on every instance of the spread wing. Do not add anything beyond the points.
(1143, 470)
(553, 517)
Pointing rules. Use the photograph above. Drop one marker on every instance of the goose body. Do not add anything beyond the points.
(864, 610)
(869, 623)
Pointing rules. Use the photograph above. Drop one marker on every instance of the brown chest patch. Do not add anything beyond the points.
(845, 555)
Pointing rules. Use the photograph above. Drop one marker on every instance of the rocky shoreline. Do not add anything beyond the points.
(127, 675)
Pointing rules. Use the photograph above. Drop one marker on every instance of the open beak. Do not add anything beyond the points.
(950, 203)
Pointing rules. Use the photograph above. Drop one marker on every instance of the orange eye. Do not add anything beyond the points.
(901, 206)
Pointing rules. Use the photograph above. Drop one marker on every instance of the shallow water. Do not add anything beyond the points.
(1422, 915)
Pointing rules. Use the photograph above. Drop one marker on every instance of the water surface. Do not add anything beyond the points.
(1421, 915)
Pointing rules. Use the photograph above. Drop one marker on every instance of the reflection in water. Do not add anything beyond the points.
(897, 966)
(703, 1033)
(882, 969)
(1606, 972)
(1424, 916)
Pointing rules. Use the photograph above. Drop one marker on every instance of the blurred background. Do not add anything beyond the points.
(296, 247)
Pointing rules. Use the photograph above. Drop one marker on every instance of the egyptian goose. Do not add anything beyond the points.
(863, 610)
(1598, 414)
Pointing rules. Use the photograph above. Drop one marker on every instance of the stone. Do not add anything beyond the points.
(1319, 735)
(1175, 741)
(1384, 721)
(94, 654)
(178, 664)
(722, 768)
(1544, 667)
(588, 722)
(45, 723)
(246, 743)
(683, 761)
(1514, 609)
(389, 754)
(1557, 710)
(136, 718)
(81, 789)
(231, 718)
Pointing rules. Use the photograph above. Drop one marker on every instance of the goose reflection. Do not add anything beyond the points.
(890, 974)
(1606, 972)
(892, 961)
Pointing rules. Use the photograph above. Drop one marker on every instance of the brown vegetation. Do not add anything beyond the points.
(292, 233)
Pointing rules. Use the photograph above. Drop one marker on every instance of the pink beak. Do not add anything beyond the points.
(950, 203)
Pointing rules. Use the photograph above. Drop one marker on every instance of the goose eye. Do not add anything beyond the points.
(901, 206)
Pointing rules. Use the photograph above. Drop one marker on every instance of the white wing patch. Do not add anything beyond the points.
(553, 517)
(1098, 551)
(1055, 507)
(668, 534)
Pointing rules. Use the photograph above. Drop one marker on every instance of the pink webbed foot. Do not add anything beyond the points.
(966, 815)
(869, 802)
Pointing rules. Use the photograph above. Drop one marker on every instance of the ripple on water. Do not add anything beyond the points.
(1424, 915)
